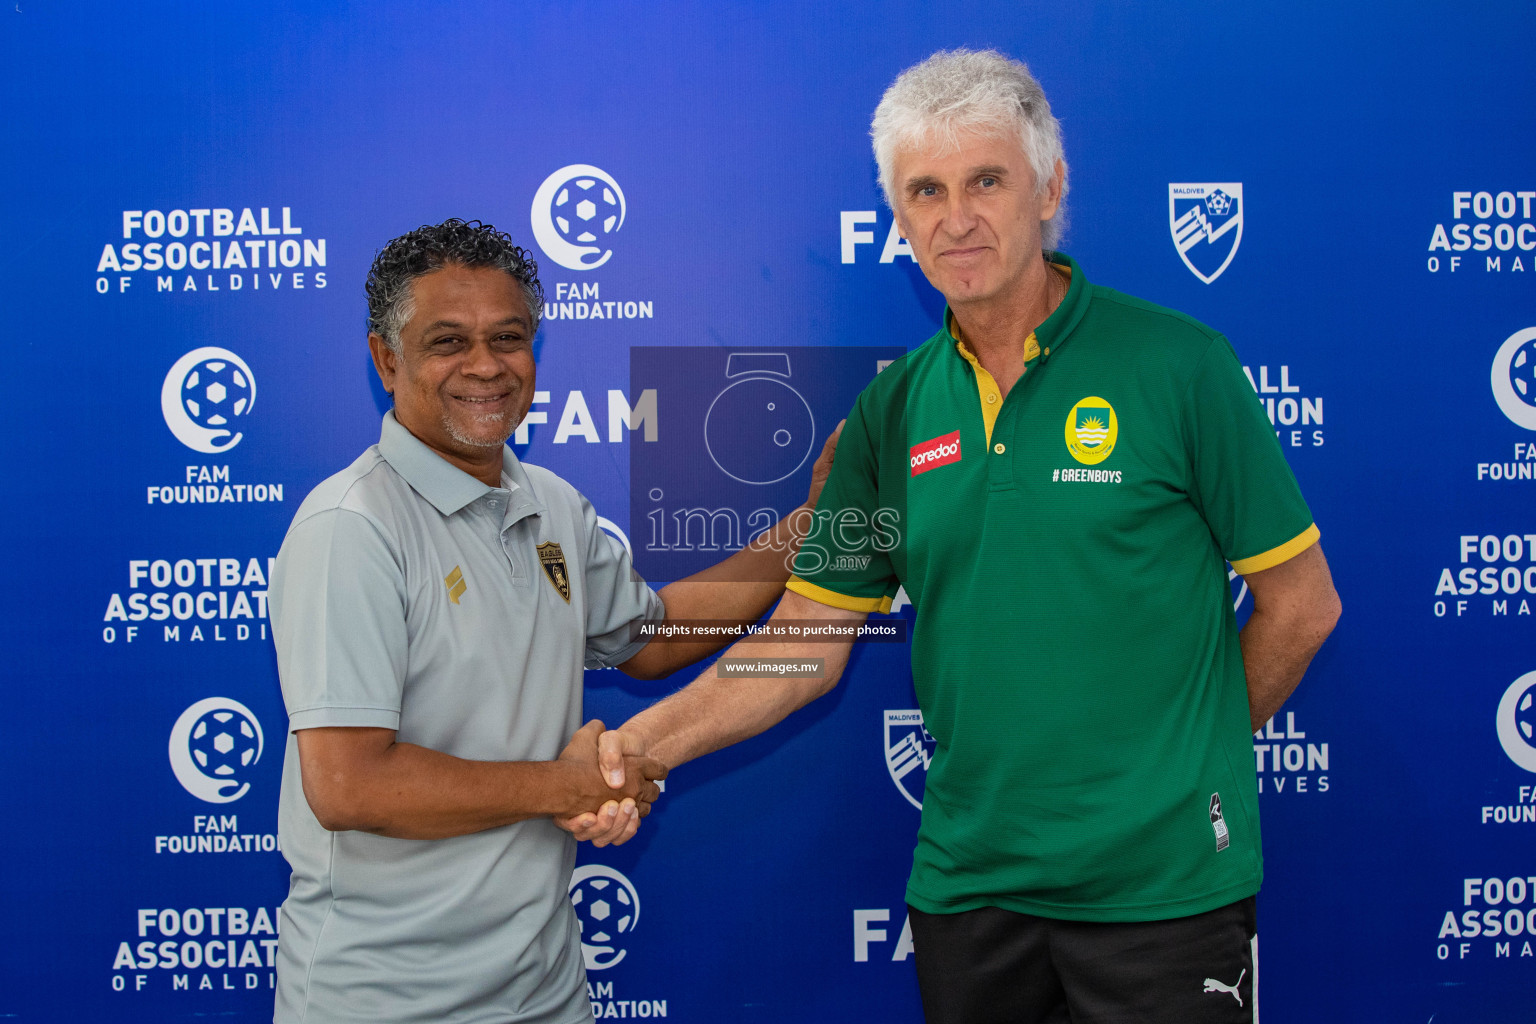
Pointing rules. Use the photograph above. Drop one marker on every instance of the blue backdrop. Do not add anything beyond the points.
(193, 194)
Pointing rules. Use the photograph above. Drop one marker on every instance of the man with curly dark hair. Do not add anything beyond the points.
(433, 607)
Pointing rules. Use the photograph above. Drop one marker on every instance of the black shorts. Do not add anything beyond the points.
(993, 966)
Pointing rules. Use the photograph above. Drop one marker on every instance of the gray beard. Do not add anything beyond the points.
(503, 432)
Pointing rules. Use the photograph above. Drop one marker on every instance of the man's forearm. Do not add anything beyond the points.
(1275, 657)
(419, 793)
(738, 589)
(1294, 609)
(712, 713)
(715, 711)
(362, 779)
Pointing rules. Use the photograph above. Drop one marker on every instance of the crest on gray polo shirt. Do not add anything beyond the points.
(553, 561)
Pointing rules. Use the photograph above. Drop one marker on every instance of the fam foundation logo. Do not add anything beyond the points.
(1515, 725)
(207, 393)
(1517, 722)
(908, 753)
(607, 909)
(1514, 378)
(1091, 431)
(576, 215)
(1206, 222)
(206, 401)
(214, 745)
(576, 212)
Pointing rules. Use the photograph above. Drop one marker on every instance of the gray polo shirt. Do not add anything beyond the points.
(410, 596)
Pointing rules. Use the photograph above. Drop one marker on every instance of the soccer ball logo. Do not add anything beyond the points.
(215, 392)
(1218, 203)
(223, 743)
(205, 394)
(607, 909)
(213, 746)
(1517, 721)
(1514, 378)
(576, 212)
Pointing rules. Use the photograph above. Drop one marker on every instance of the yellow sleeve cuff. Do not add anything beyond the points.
(832, 599)
(1274, 556)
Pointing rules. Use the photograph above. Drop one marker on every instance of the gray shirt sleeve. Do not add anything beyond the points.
(338, 620)
(616, 597)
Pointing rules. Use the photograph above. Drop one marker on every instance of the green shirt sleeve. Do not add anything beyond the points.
(1240, 480)
(845, 562)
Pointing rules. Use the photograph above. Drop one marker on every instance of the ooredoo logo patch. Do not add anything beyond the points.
(941, 451)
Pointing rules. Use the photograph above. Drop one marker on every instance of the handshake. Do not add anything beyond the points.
(614, 784)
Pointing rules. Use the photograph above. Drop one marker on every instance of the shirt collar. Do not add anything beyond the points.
(1058, 327)
(447, 487)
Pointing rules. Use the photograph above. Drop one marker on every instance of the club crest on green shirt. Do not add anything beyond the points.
(1092, 429)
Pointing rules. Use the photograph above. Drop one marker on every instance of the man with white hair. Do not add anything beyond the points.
(1058, 477)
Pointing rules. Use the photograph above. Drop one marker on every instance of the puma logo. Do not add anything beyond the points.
(1212, 985)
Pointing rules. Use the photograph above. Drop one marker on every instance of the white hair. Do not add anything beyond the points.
(983, 92)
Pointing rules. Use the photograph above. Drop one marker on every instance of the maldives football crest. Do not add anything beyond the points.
(1206, 221)
(908, 752)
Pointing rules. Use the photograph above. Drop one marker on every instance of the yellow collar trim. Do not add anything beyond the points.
(987, 391)
(986, 385)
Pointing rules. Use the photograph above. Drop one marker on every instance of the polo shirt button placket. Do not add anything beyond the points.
(510, 549)
(1000, 464)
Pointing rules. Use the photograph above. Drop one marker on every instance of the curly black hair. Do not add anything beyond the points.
(431, 247)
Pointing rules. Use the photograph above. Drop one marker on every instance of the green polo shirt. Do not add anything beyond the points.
(1075, 652)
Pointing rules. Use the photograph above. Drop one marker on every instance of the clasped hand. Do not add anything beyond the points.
(616, 780)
